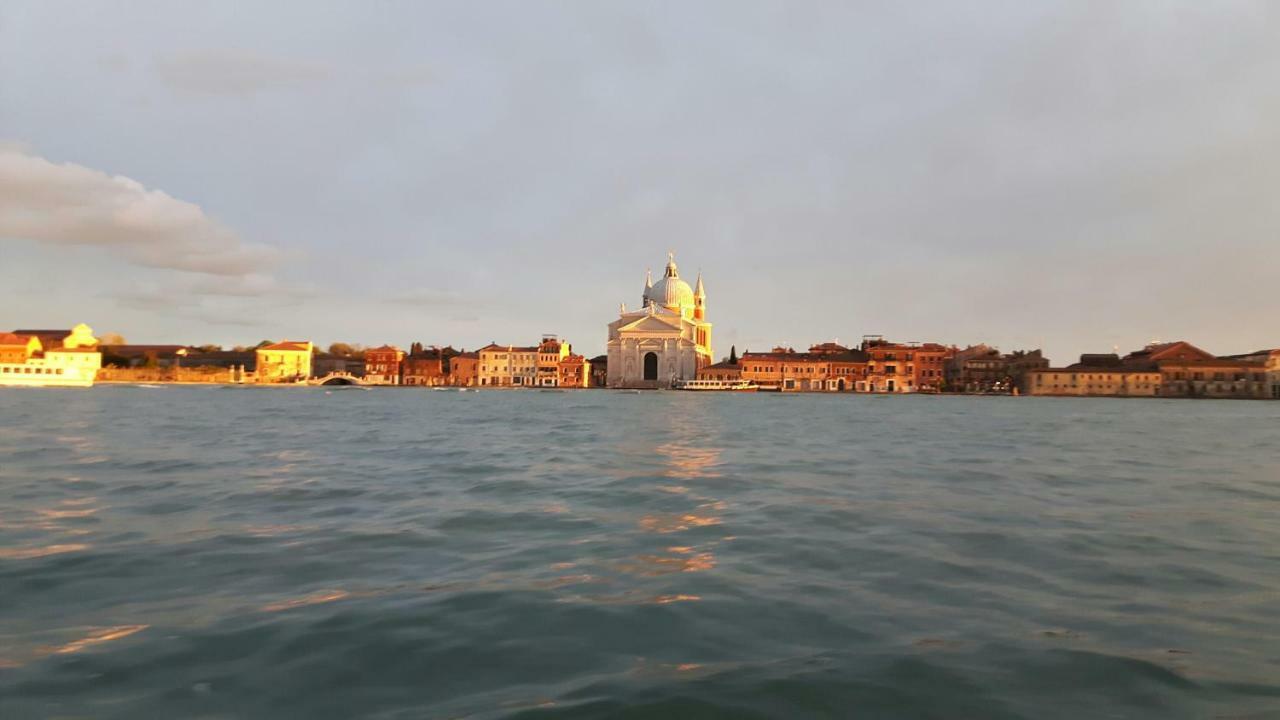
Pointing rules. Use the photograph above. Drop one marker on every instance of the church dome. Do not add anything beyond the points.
(671, 292)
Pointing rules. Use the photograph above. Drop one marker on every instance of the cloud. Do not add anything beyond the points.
(74, 205)
(237, 72)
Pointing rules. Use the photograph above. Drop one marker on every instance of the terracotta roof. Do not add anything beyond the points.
(507, 348)
(1217, 362)
(1097, 369)
(297, 345)
(14, 339)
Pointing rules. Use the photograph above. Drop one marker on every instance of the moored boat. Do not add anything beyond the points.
(717, 385)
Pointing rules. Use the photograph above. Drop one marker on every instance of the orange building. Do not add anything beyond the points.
(574, 371)
(382, 365)
(464, 369)
(905, 367)
(787, 370)
(428, 366)
(725, 371)
(15, 348)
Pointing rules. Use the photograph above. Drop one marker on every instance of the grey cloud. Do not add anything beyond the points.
(72, 204)
(237, 72)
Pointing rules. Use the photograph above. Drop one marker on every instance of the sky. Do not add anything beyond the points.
(1078, 176)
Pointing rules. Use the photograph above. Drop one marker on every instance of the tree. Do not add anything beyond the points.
(262, 343)
(208, 348)
(111, 339)
(733, 354)
(415, 348)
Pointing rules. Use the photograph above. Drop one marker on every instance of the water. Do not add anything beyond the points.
(189, 552)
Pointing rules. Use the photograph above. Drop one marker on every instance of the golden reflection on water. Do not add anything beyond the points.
(668, 599)
(316, 598)
(676, 523)
(39, 552)
(97, 637)
(655, 565)
(688, 461)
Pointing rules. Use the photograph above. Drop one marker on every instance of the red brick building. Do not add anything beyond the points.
(382, 365)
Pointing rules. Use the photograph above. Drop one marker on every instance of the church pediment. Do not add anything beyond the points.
(652, 323)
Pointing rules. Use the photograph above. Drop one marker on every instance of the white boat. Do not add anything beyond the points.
(717, 385)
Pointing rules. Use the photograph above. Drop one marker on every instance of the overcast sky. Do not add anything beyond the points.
(1077, 175)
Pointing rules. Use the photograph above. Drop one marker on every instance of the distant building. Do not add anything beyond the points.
(724, 371)
(69, 359)
(428, 366)
(551, 352)
(1215, 378)
(508, 366)
(382, 365)
(282, 362)
(788, 370)
(600, 371)
(667, 340)
(464, 369)
(1096, 375)
(905, 367)
(143, 355)
(17, 348)
(574, 371)
(324, 364)
(1188, 371)
(981, 368)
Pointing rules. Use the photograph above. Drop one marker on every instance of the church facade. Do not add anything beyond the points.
(667, 340)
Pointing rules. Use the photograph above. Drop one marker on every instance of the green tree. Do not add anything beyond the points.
(733, 354)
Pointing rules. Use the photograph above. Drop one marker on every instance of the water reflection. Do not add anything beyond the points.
(316, 598)
(39, 552)
(97, 637)
(687, 461)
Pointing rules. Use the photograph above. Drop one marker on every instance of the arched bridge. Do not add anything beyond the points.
(337, 378)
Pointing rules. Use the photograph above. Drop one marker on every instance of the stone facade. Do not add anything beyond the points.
(664, 342)
(282, 362)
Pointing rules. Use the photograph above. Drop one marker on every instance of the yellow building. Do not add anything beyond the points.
(507, 366)
(1085, 380)
(70, 360)
(282, 362)
(551, 352)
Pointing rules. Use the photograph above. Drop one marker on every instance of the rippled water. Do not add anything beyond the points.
(187, 552)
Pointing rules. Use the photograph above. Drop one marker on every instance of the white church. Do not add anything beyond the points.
(666, 340)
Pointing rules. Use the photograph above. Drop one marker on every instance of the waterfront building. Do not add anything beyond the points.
(667, 340)
(981, 368)
(131, 356)
(551, 352)
(600, 371)
(574, 371)
(382, 365)
(69, 359)
(722, 371)
(1215, 378)
(508, 366)
(464, 369)
(905, 367)
(1096, 375)
(283, 362)
(428, 366)
(325, 364)
(16, 348)
(787, 370)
